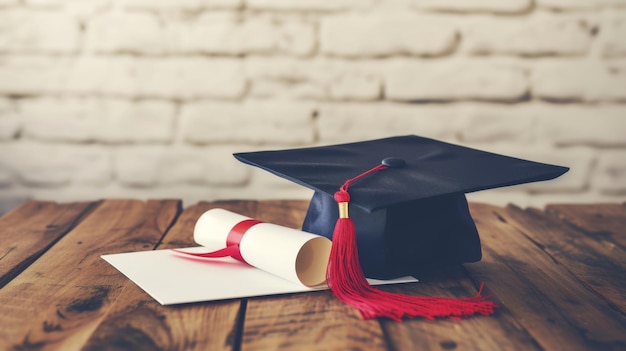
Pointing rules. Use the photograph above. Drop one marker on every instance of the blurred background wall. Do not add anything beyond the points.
(149, 98)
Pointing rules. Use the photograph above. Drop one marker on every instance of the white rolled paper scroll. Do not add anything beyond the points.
(291, 254)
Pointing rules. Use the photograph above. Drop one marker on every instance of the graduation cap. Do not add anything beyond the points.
(406, 198)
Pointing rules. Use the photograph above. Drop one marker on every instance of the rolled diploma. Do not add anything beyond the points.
(291, 254)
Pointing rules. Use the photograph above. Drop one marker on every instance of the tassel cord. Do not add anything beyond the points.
(348, 283)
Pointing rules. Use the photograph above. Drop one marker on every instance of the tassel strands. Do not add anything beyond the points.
(347, 281)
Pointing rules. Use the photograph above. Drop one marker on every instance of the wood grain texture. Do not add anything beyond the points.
(314, 320)
(497, 332)
(59, 300)
(288, 213)
(29, 230)
(557, 276)
(541, 294)
(602, 221)
(140, 323)
(586, 256)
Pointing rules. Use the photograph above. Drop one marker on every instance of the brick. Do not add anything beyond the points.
(349, 80)
(255, 122)
(362, 121)
(289, 90)
(296, 38)
(90, 165)
(169, 5)
(287, 78)
(59, 120)
(110, 121)
(584, 125)
(85, 11)
(32, 32)
(129, 172)
(356, 86)
(612, 34)
(219, 34)
(264, 185)
(10, 123)
(359, 35)
(126, 33)
(33, 75)
(454, 80)
(576, 4)
(251, 36)
(81, 11)
(89, 74)
(332, 79)
(176, 78)
(183, 167)
(55, 165)
(610, 174)
(141, 121)
(297, 71)
(486, 123)
(583, 80)
(283, 68)
(21, 76)
(178, 165)
(308, 5)
(462, 6)
(45, 3)
(190, 78)
(528, 36)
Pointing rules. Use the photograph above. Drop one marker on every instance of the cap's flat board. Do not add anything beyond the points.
(432, 168)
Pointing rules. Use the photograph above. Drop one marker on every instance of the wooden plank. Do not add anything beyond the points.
(601, 267)
(29, 230)
(298, 321)
(605, 222)
(498, 332)
(140, 323)
(289, 213)
(60, 299)
(553, 306)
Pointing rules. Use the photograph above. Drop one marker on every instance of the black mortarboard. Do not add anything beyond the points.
(411, 217)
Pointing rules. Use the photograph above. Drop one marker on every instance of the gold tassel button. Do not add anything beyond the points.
(343, 210)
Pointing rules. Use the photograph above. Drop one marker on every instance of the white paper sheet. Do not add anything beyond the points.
(281, 261)
(171, 279)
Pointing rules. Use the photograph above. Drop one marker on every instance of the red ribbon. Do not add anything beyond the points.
(232, 242)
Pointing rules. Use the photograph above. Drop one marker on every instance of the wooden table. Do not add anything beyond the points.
(559, 277)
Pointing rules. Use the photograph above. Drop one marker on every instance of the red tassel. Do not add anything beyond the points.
(347, 281)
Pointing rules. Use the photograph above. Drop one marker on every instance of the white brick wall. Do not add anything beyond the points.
(148, 99)
(33, 31)
(372, 35)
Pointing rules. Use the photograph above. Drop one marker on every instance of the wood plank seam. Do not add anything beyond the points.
(240, 325)
(18, 269)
